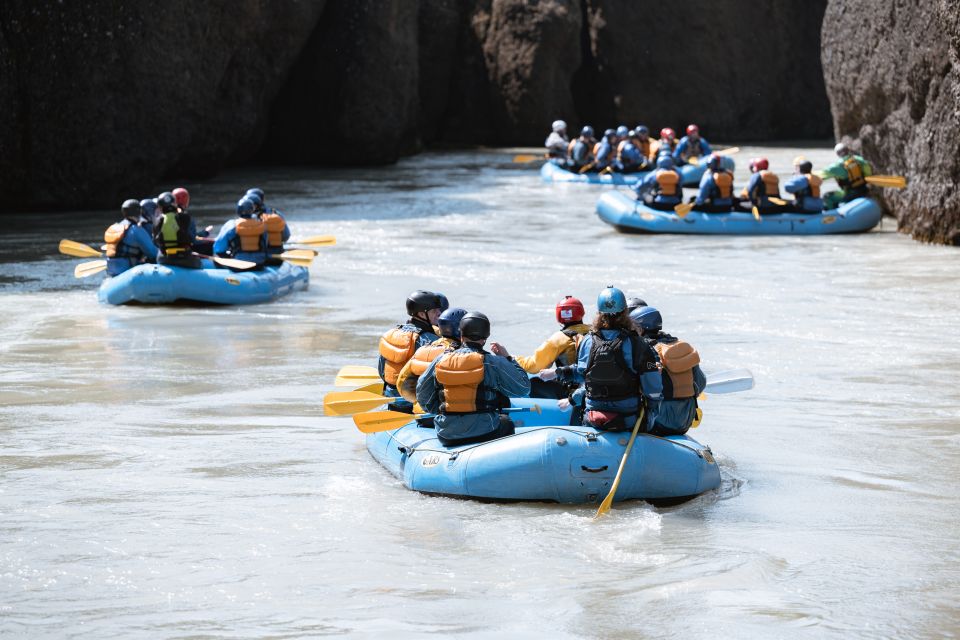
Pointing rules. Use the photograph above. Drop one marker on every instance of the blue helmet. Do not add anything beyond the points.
(665, 161)
(255, 199)
(611, 301)
(258, 191)
(622, 131)
(609, 133)
(713, 162)
(587, 132)
(245, 207)
(642, 129)
(449, 322)
(148, 208)
(646, 319)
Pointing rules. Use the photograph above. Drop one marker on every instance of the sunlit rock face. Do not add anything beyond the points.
(891, 71)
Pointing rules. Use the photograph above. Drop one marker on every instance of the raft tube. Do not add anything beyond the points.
(689, 173)
(547, 461)
(162, 284)
(629, 215)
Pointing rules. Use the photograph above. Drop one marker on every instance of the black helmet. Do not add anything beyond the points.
(633, 303)
(130, 208)
(167, 202)
(424, 301)
(475, 326)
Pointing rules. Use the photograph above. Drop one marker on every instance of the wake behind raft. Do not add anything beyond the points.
(547, 461)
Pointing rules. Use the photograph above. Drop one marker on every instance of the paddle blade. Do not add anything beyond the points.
(608, 501)
(587, 167)
(729, 151)
(347, 403)
(693, 160)
(299, 257)
(730, 381)
(683, 209)
(317, 241)
(893, 182)
(373, 387)
(85, 269)
(381, 421)
(777, 201)
(233, 263)
(354, 374)
(77, 250)
(756, 213)
(526, 157)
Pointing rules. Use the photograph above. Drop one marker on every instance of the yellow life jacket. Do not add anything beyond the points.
(724, 182)
(460, 376)
(396, 347)
(668, 181)
(113, 236)
(813, 184)
(250, 232)
(275, 224)
(678, 358)
(771, 184)
(574, 335)
(855, 178)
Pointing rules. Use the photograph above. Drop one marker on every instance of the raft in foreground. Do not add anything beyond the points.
(547, 461)
(162, 284)
(628, 215)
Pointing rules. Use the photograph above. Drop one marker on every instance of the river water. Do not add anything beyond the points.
(167, 473)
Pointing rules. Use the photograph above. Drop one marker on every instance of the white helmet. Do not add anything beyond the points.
(559, 125)
(841, 150)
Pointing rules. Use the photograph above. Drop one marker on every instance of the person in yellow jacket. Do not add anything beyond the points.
(558, 350)
(449, 326)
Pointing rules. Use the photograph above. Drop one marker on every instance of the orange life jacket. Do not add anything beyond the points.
(645, 146)
(396, 347)
(668, 181)
(250, 232)
(678, 358)
(460, 376)
(275, 224)
(724, 182)
(771, 184)
(855, 178)
(113, 236)
(813, 185)
(425, 355)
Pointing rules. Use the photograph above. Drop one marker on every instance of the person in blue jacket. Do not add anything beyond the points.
(691, 146)
(763, 185)
(127, 243)
(716, 188)
(661, 189)
(148, 214)
(682, 379)
(467, 388)
(629, 157)
(244, 237)
(606, 150)
(275, 223)
(619, 370)
(581, 149)
(805, 187)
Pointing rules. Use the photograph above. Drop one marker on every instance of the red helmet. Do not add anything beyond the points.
(692, 129)
(667, 132)
(182, 196)
(569, 310)
(759, 164)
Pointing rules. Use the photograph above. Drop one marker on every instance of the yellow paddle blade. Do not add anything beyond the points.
(729, 151)
(756, 213)
(683, 209)
(608, 501)
(353, 374)
(777, 201)
(297, 261)
(77, 249)
(317, 241)
(85, 269)
(526, 157)
(381, 421)
(373, 387)
(894, 182)
(694, 160)
(347, 403)
(587, 167)
(234, 263)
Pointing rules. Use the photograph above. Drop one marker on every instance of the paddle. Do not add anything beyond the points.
(526, 157)
(894, 182)
(373, 387)
(85, 269)
(299, 257)
(78, 250)
(729, 151)
(608, 501)
(693, 160)
(347, 403)
(730, 381)
(233, 263)
(777, 201)
(356, 374)
(683, 209)
(587, 167)
(316, 241)
(756, 213)
(389, 420)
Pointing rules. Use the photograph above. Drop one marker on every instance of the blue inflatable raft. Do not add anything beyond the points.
(690, 174)
(161, 284)
(547, 461)
(623, 211)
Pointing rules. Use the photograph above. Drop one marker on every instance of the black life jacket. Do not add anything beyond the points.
(608, 377)
(171, 233)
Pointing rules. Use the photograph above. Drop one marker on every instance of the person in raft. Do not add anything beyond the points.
(556, 143)
(127, 243)
(763, 185)
(619, 371)
(850, 172)
(681, 376)
(661, 188)
(716, 188)
(559, 350)
(805, 187)
(449, 326)
(691, 146)
(274, 223)
(173, 233)
(466, 388)
(580, 151)
(398, 345)
(605, 151)
(244, 237)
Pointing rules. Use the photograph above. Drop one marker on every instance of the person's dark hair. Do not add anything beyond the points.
(613, 321)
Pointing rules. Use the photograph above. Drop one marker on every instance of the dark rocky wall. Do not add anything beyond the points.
(893, 76)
